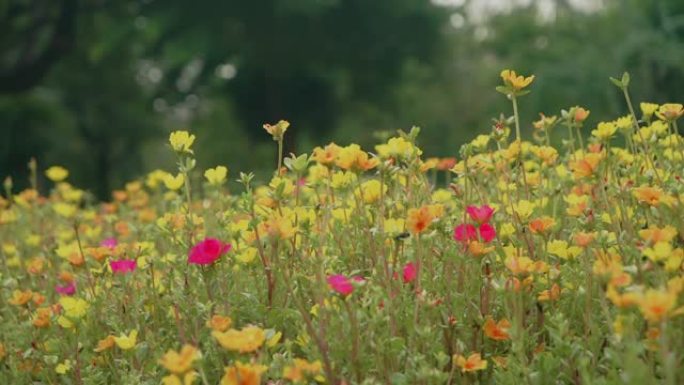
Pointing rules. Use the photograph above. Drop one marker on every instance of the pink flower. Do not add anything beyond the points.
(341, 284)
(207, 251)
(123, 266)
(480, 214)
(409, 272)
(487, 232)
(69, 289)
(465, 233)
(109, 243)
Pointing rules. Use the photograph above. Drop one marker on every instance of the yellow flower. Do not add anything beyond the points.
(370, 191)
(277, 130)
(219, 323)
(514, 81)
(523, 209)
(73, 307)
(670, 111)
(63, 367)
(57, 173)
(397, 148)
(659, 251)
(243, 374)
(604, 130)
(174, 182)
(188, 379)
(342, 179)
(648, 109)
(276, 227)
(247, 340)
(179, 363)
(561, 249)
(353, 158)
(216, 176)
(181, 141)
(246, 255)
(126, 342)
(656, 305)
(302, 370)
(394, 226)
(473, 363)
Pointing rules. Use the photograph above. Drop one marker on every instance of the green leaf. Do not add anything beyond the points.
(504, 90)
(616, 82)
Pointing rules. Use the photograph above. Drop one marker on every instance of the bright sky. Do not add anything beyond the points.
(477, 10)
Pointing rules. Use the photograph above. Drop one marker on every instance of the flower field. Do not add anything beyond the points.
(516, 262)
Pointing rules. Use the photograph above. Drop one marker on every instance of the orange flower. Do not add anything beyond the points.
(651, 196)
(419, 219)
(20, 298)
(497, 331)
(654, 234)
(473, 363)
(579, 114)
(326, 155)
(586, 166)
(42, 317)
(243, 374)
(105, 343)
(583, 239)
(550, 294)
(219, 323)
(541, 225)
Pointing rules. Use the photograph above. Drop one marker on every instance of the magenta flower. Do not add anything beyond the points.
(409, 272)
(69, 289)
(109, 243)
(341, 284)
(465, 233)
(487, 232)
(123, 266)
(480, 214)
(207, 251)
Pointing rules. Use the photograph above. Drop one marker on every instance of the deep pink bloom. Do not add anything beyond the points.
(465, 233)
(409, 272)
(69, 289)
(480, 214)
(341, 284)
(123, 266)
(207, 251)
(487, 232)
(109, 243)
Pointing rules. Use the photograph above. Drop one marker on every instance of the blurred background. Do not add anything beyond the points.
(98, 85)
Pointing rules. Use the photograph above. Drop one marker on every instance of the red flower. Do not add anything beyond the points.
(409, 272)
(341, 284)
(123, 266)
(465, 233)
(487, 232)
(207, 251)
(480, 214)
(69, 289)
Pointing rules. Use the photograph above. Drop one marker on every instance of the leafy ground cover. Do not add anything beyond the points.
(531, 265)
